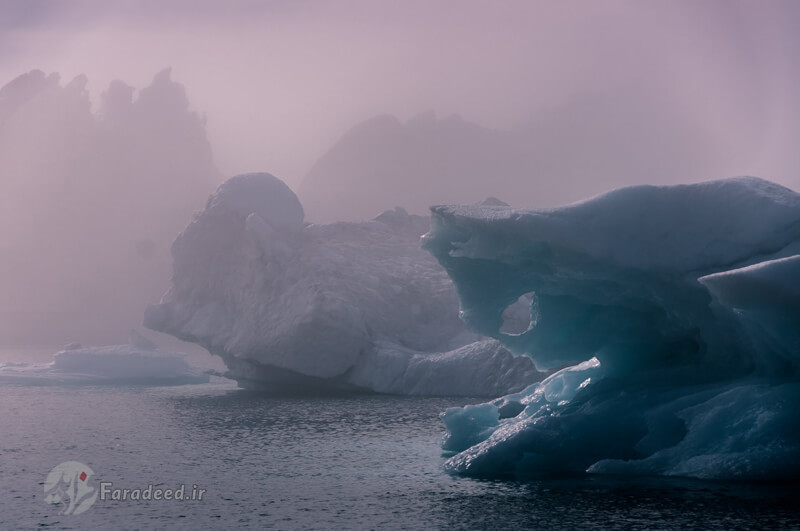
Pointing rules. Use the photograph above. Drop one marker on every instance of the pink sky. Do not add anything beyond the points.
(280, 81)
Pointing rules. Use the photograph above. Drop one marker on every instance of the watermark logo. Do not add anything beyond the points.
(151, 492)
(69, 484)
(72, 486)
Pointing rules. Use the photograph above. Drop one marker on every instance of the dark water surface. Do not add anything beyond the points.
(352, 462)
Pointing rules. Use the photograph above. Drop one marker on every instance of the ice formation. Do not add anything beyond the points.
(297, 307)
(140, 363)
(673, 314)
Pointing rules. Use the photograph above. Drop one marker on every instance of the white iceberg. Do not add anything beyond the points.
(290, 306)
(673, 313)
(138, 363)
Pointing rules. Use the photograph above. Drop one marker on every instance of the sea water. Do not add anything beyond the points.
(325, 462)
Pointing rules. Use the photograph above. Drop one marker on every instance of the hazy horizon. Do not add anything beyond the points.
(279, 82)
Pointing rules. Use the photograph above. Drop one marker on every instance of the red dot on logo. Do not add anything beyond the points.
(83, 476)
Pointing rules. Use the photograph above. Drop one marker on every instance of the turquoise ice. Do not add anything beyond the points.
(670, 316)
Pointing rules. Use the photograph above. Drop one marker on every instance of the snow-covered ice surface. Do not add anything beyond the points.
(672, 312)
(345, 306)
(138, 363)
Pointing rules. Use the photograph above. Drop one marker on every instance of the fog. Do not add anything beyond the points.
(92, 202)
(104, 163)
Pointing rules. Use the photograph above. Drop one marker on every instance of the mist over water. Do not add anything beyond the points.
(591, 144)
(537, 103)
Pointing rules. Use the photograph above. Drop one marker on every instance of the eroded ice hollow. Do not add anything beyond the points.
(292, 306)
(674, 313)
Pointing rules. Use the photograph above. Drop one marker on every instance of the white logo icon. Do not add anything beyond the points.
(68, 484)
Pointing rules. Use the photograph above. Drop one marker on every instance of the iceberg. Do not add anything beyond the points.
(140, 362)
(297, 307)
(670, 315)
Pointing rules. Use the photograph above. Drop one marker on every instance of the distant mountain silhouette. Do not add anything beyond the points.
(593, 144)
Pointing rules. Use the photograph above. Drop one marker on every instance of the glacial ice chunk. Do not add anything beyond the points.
(290, 306)
(138, 363)
(672, 314)
(765, 296)
(263, 195)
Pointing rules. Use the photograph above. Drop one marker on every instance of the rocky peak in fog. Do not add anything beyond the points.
(93, 199)
(588, 145)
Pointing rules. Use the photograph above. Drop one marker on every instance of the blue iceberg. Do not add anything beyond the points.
(669, 318)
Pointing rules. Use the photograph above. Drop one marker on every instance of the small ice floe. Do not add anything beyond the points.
(140, 362)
